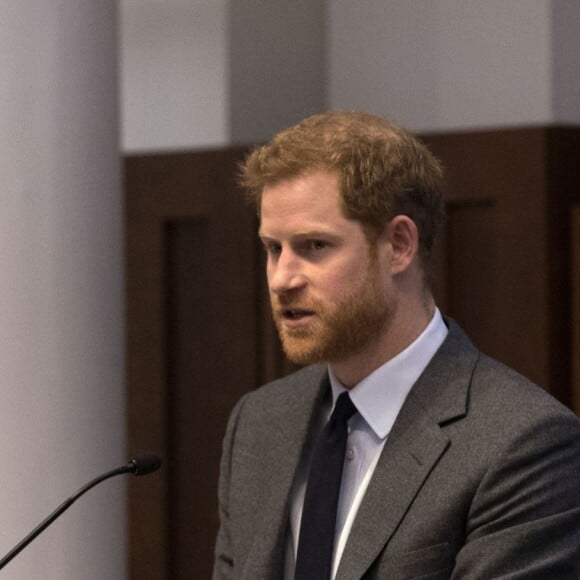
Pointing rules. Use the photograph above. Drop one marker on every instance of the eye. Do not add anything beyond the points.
(316, 245)
(272, 248)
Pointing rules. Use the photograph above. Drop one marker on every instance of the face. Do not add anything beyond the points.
(328, 288)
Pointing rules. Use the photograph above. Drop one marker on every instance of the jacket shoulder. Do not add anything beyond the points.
(510, 393)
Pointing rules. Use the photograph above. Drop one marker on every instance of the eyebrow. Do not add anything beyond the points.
(301, 234)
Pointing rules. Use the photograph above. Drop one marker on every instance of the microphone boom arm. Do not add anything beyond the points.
(138, 466)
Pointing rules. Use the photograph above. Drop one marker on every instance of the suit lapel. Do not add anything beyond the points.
(409, 455)
(293, 421)
(414, 446)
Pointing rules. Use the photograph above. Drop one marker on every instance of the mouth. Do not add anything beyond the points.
(296, 314)
(294, 318)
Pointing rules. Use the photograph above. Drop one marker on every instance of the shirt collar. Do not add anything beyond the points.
(380, 396)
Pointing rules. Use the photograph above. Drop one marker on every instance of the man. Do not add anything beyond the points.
(451, 465)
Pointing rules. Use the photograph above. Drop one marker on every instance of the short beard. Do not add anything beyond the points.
(341, 330)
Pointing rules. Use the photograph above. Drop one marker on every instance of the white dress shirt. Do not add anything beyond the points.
(378, 399)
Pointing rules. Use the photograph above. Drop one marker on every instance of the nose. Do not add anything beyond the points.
(285, 273)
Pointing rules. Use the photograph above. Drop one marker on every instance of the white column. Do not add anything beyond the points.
(61, 287)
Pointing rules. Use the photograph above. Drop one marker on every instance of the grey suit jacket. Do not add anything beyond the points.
(479, 478)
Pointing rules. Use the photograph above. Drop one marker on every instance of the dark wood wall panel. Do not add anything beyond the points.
(192, 339)
(575, 272)
(501, 177)
(470, 258)
(563, 191)
(527, 177)
(211, 354)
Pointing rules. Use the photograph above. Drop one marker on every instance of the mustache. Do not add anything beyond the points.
(284, 302)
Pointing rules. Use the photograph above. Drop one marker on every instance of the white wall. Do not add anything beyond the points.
(277, 65)
(209, 73)
(174, 74)
(443, 65)
(61, 287)
(205, 73)
(565, 61)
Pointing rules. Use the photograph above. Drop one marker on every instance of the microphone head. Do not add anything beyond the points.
(144, 464)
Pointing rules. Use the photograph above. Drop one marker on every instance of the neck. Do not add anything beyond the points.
(409, 320)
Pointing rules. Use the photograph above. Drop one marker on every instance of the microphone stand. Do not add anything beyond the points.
(136, 466)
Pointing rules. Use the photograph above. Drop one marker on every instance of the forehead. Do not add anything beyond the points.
(310, 198)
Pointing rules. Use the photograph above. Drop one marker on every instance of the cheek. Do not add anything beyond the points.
(345, 280)
(270, 269)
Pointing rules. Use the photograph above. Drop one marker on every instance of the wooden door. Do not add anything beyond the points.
(198, 338)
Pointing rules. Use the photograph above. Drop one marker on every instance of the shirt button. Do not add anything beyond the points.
(350, 453)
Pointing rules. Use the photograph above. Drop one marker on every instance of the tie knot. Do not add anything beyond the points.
(344, 408)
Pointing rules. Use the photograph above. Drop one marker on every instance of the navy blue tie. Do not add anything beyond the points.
(317, 528)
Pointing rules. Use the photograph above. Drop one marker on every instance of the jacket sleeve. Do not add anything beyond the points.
(524, 520)
(224, 563)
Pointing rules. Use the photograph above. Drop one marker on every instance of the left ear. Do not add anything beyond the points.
(403, 236)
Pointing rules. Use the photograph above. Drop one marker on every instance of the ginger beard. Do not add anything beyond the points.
(338, 330)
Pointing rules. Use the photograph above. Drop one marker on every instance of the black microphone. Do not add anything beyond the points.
(141, 465)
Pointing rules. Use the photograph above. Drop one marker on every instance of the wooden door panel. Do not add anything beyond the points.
(496, 256)
(575, 218)
(193, 347)
(471, 257)
(211, 362)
